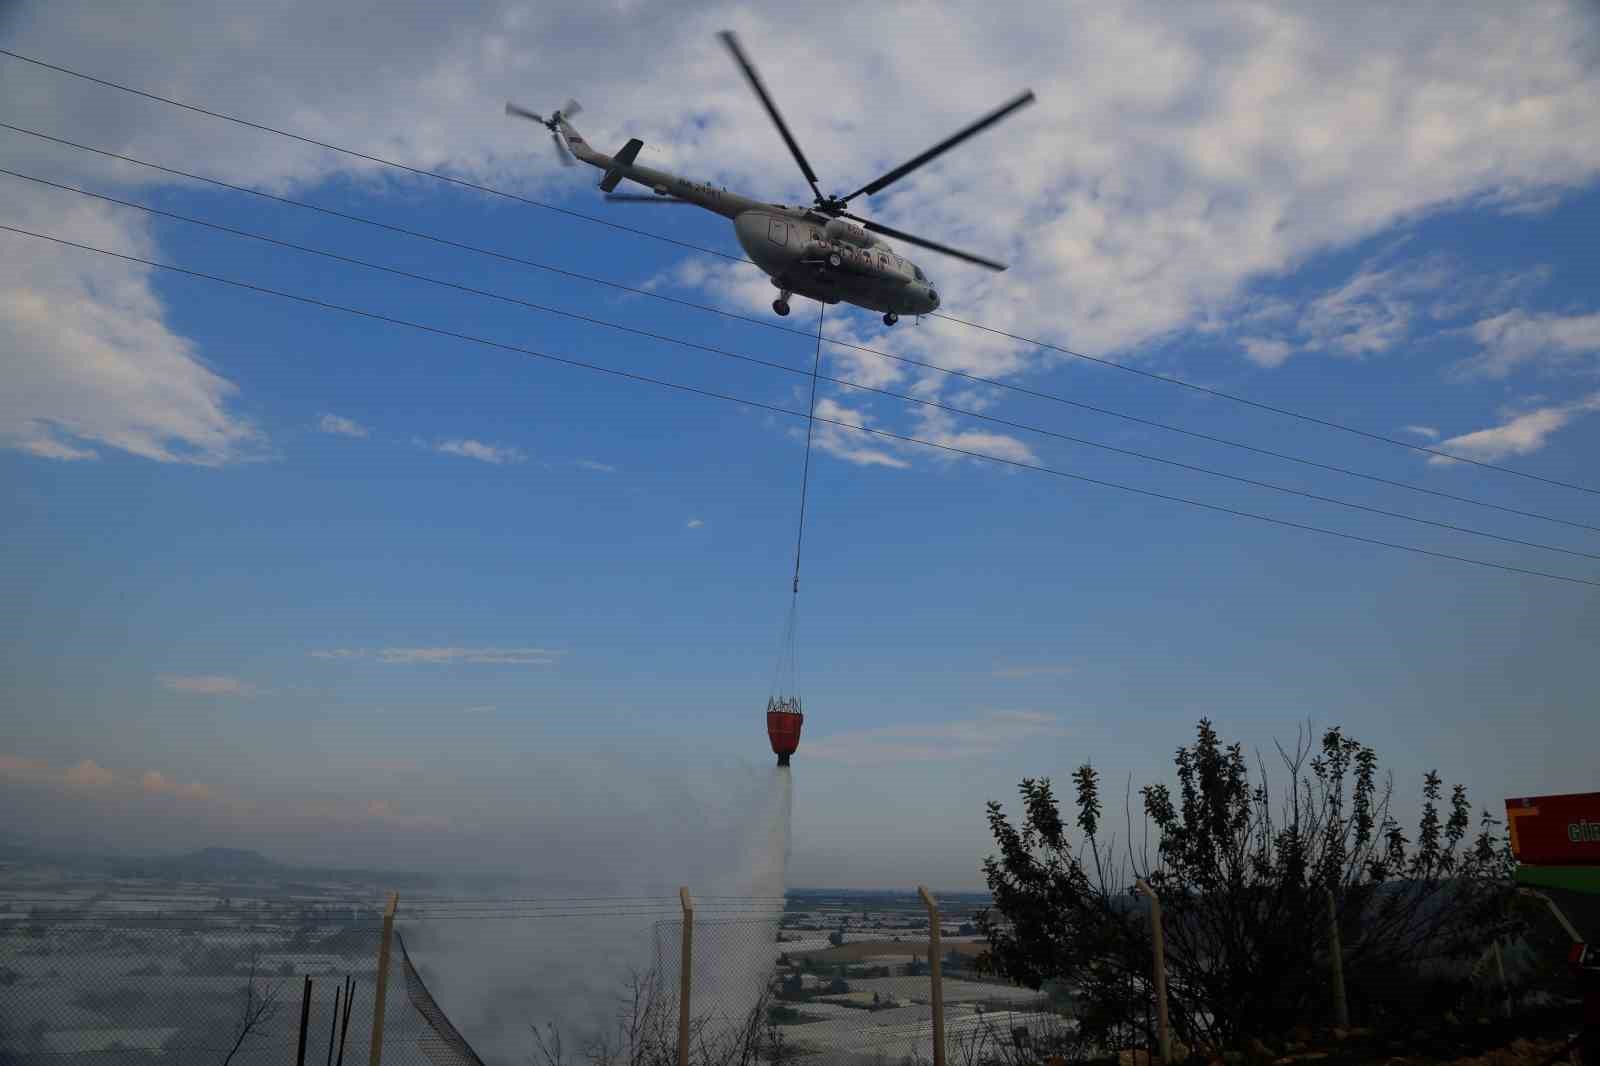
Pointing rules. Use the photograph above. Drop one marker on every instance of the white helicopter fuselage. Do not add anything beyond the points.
(802, 250)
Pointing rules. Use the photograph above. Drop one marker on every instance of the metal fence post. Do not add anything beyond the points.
(305, 1019)
(333, 1030)
(376, 1054)
(1158, 951)
(935, 980)
(1341, 1006)
(684, 969)
(344, 1021)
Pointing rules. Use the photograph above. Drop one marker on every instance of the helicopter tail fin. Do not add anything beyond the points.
(619, 162)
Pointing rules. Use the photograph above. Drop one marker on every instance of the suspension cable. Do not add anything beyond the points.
(805, 470)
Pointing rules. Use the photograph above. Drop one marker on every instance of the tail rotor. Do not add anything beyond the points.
(553, 124)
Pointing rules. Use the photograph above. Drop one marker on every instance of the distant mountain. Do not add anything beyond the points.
(203, 865)
(241, 860)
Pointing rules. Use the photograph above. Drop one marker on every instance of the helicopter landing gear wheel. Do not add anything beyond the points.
(834, 260)
(781, 306)
(890, 319)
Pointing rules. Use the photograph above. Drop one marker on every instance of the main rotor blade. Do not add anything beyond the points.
(561, 150)
(571, 108)
(943, 249)
(944, 146)
(772, 109)
(522, 112)
(643, 198)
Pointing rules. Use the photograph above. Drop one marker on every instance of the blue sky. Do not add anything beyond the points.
(344, 590)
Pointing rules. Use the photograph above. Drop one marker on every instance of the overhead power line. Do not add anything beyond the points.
(774, 408)
(814, 373)
(532, 202)
(634, 290)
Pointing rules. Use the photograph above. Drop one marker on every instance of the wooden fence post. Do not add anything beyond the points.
(934, 975)
(375, 1057)
(1341, 1006)
(1500, 973)
(1158, 965)
(684, 971)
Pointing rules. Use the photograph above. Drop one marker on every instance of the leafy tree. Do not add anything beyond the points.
(1243, 875)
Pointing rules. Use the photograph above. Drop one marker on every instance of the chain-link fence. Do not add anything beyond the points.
(104, 990)
(232, 990)
(833, 1001)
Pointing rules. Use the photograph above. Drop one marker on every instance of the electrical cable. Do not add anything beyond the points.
(759, 405)
(1221, 395)
(418, 171)
(1254, 482)
(977, 379)
(461, 182)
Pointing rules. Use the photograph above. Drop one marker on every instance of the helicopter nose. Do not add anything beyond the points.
(933, 298)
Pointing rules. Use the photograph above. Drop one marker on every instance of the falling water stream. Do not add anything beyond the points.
(497, 978)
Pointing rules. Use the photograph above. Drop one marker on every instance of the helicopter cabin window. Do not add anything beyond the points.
(778, 231)
(918, 272)
(883, 262)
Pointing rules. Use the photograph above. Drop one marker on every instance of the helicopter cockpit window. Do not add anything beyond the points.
(918, 272)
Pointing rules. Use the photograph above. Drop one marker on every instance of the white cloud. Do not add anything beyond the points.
(448, 654)
(938, 426)
(1175, 157)
(505, 656)
(1522, 434)
(694, 523)
(1037, 670)
(1266, 352)
(850, 445)
(88, 361)
(991, 733)
(88, 774)
(497, 454)
(1520, 339)
(597, 467)
(154, 781)
(17, 768)
(1372, 311)
(210, 685)
(1425, 432)
(482, 708)
(384, 812)
(342, 427)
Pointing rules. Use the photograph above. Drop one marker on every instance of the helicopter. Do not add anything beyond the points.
(821, 251)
